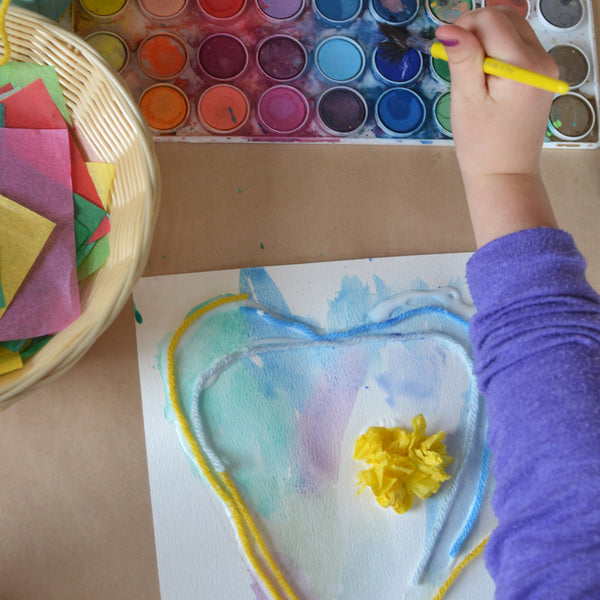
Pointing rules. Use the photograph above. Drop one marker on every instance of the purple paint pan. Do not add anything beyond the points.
(281, 57)
(222, 56)
(281, 10)
(342, 110)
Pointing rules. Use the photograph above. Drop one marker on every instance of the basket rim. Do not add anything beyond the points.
(19, 383)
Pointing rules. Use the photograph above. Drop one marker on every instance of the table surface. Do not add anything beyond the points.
(75, 511)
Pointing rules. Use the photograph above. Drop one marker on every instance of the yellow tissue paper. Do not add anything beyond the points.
(23, 234)
(102, 175)
(9, 361)
(404, 464)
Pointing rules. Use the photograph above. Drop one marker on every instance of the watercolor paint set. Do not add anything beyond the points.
(313, 70)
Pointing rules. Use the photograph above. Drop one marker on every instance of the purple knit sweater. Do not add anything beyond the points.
(536, 343)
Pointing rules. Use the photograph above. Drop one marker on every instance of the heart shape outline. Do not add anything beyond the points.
(226, 488)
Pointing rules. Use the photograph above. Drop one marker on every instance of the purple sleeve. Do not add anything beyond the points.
(536, 344)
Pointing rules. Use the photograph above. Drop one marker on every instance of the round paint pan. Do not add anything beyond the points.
(337, 14)
(342, 110)
(281, 57)
(223, 56)
(400, 112)
(401, 72)
(573, 64)
(340, 59)
(521, 6)
(223, 108)
(561, 15)
(572, 117)
(283, 109)
(441, 112)
(111, 47)
(394, 12)
(162, 56)
(440, 70)
(281, 10)
(165, 106)
(448, 11)
(222, 9)
(162, 9)
(104, 9)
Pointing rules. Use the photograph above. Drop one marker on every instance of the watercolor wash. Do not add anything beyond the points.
(278, 400)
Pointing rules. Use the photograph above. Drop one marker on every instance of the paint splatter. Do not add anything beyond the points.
(232, 115)
(138, 316)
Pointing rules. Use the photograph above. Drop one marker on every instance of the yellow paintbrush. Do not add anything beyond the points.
(399, 40)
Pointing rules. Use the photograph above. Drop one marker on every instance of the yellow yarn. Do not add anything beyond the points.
(403, 464)
(220, 481)
(3, 34)
(474, 553)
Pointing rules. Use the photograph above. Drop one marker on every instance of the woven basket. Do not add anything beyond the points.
(109, 122)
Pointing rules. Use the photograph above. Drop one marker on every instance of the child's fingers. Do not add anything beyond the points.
(521, 25)
(496, 34)
(465, 56)
(506, 35)
(542, 62)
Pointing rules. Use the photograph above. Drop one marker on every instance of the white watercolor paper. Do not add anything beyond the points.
(198, 554)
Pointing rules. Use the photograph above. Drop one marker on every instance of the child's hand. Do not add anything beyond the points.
(498, 125)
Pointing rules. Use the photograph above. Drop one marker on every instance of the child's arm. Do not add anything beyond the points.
(499, 125)
(536, 348)
(536, 333)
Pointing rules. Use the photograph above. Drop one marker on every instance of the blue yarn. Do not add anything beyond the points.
(367, 328)
(476, 505)
(278, 321)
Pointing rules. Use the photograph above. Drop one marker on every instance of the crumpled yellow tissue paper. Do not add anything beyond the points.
(403, 464)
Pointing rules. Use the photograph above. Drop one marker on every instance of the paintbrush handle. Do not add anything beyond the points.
(491, 66)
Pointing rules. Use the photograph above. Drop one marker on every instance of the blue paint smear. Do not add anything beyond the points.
(350, 305)
(381, 288)
(257, 283)
(422, 390)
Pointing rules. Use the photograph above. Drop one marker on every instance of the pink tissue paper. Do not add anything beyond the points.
(35, 171)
